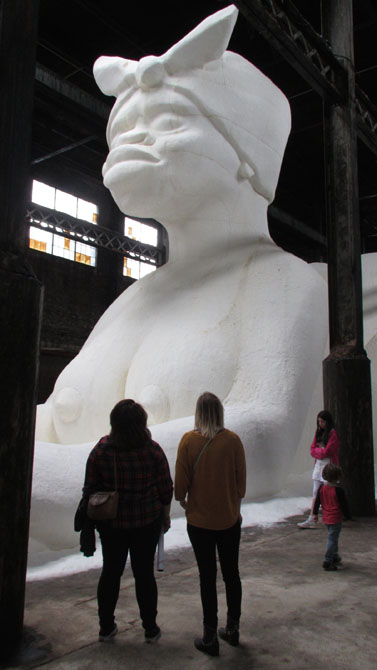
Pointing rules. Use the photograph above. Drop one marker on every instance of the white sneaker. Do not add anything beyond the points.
(309, 523)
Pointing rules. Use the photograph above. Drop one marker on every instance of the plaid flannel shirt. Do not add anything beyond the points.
(143, 478)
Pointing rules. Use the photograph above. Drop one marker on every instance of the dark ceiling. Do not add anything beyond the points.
(69, 137)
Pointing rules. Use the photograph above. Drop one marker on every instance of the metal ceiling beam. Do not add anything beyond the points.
(296, 225)
(282, 25)
(366, 119)
(72, 92)
(295, 39)
(64, 150)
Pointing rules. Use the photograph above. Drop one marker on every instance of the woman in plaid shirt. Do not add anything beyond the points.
(145, 492)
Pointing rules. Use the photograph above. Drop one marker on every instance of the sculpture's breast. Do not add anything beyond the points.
(192, 347)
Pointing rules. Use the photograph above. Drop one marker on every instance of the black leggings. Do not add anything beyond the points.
(227, 542)
(116, 543)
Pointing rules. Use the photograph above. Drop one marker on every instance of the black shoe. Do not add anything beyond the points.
(106, 636)
(209, 643)
(330, 567)
(337, 560)
(230, 635)
(152, 634)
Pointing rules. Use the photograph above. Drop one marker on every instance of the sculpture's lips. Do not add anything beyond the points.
(129, 153)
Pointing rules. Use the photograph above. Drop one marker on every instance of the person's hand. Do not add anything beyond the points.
(240, 519)
(166, 523)
(315, 518)
(183, 503)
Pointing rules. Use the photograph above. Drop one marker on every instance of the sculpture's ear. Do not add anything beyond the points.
(110, 71)
(205, 43)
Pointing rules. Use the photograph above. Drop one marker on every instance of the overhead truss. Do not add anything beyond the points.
(94, 235)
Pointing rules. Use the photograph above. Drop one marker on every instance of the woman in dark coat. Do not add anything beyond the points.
(145, 491)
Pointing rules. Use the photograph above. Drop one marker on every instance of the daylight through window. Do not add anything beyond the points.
(57, 245)
(143, 233)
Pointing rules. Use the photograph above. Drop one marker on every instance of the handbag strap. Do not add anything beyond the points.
(115, 471)
(199, 457)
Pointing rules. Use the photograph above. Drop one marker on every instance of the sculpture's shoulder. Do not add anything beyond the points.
(273, 276)
(268, 252)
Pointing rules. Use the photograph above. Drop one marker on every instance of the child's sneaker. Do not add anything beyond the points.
(309, 523)
(330, 567)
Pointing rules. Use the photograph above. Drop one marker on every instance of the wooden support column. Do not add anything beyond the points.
(20, 309)
(346, 371)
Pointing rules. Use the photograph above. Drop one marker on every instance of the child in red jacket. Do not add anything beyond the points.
(334, 508)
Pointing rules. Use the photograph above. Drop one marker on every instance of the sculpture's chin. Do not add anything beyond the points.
(132, 185)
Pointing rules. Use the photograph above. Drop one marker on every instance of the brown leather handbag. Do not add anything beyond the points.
(103, 505)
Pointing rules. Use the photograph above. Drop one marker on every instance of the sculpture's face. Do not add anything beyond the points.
(162, 150)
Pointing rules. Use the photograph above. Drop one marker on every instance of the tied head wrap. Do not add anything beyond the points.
(249, 111)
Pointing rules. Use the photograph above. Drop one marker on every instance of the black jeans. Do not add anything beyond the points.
(204, 543)
(116, 543)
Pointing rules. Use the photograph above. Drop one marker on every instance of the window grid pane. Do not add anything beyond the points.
(140, 231)
(41, 240)
(65, 202)
(136, 269)
(64, 247)
(42, 194)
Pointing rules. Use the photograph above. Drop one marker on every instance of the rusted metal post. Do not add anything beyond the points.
(346, 371)
(20, 310)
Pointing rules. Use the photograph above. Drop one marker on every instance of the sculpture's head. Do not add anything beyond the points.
(171, 111)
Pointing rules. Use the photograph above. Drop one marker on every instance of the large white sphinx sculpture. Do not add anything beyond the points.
(196, 141)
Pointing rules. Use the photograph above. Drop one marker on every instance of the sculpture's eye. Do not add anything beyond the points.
(166, 122)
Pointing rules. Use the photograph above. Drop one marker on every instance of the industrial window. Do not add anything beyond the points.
(136, 230)
(58, 245)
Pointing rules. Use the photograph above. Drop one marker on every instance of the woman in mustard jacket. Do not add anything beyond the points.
(210, 481)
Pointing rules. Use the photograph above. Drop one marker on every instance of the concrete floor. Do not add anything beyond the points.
(295, 615)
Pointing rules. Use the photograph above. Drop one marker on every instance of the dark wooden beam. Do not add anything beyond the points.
(20, 311)
(347, 382)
